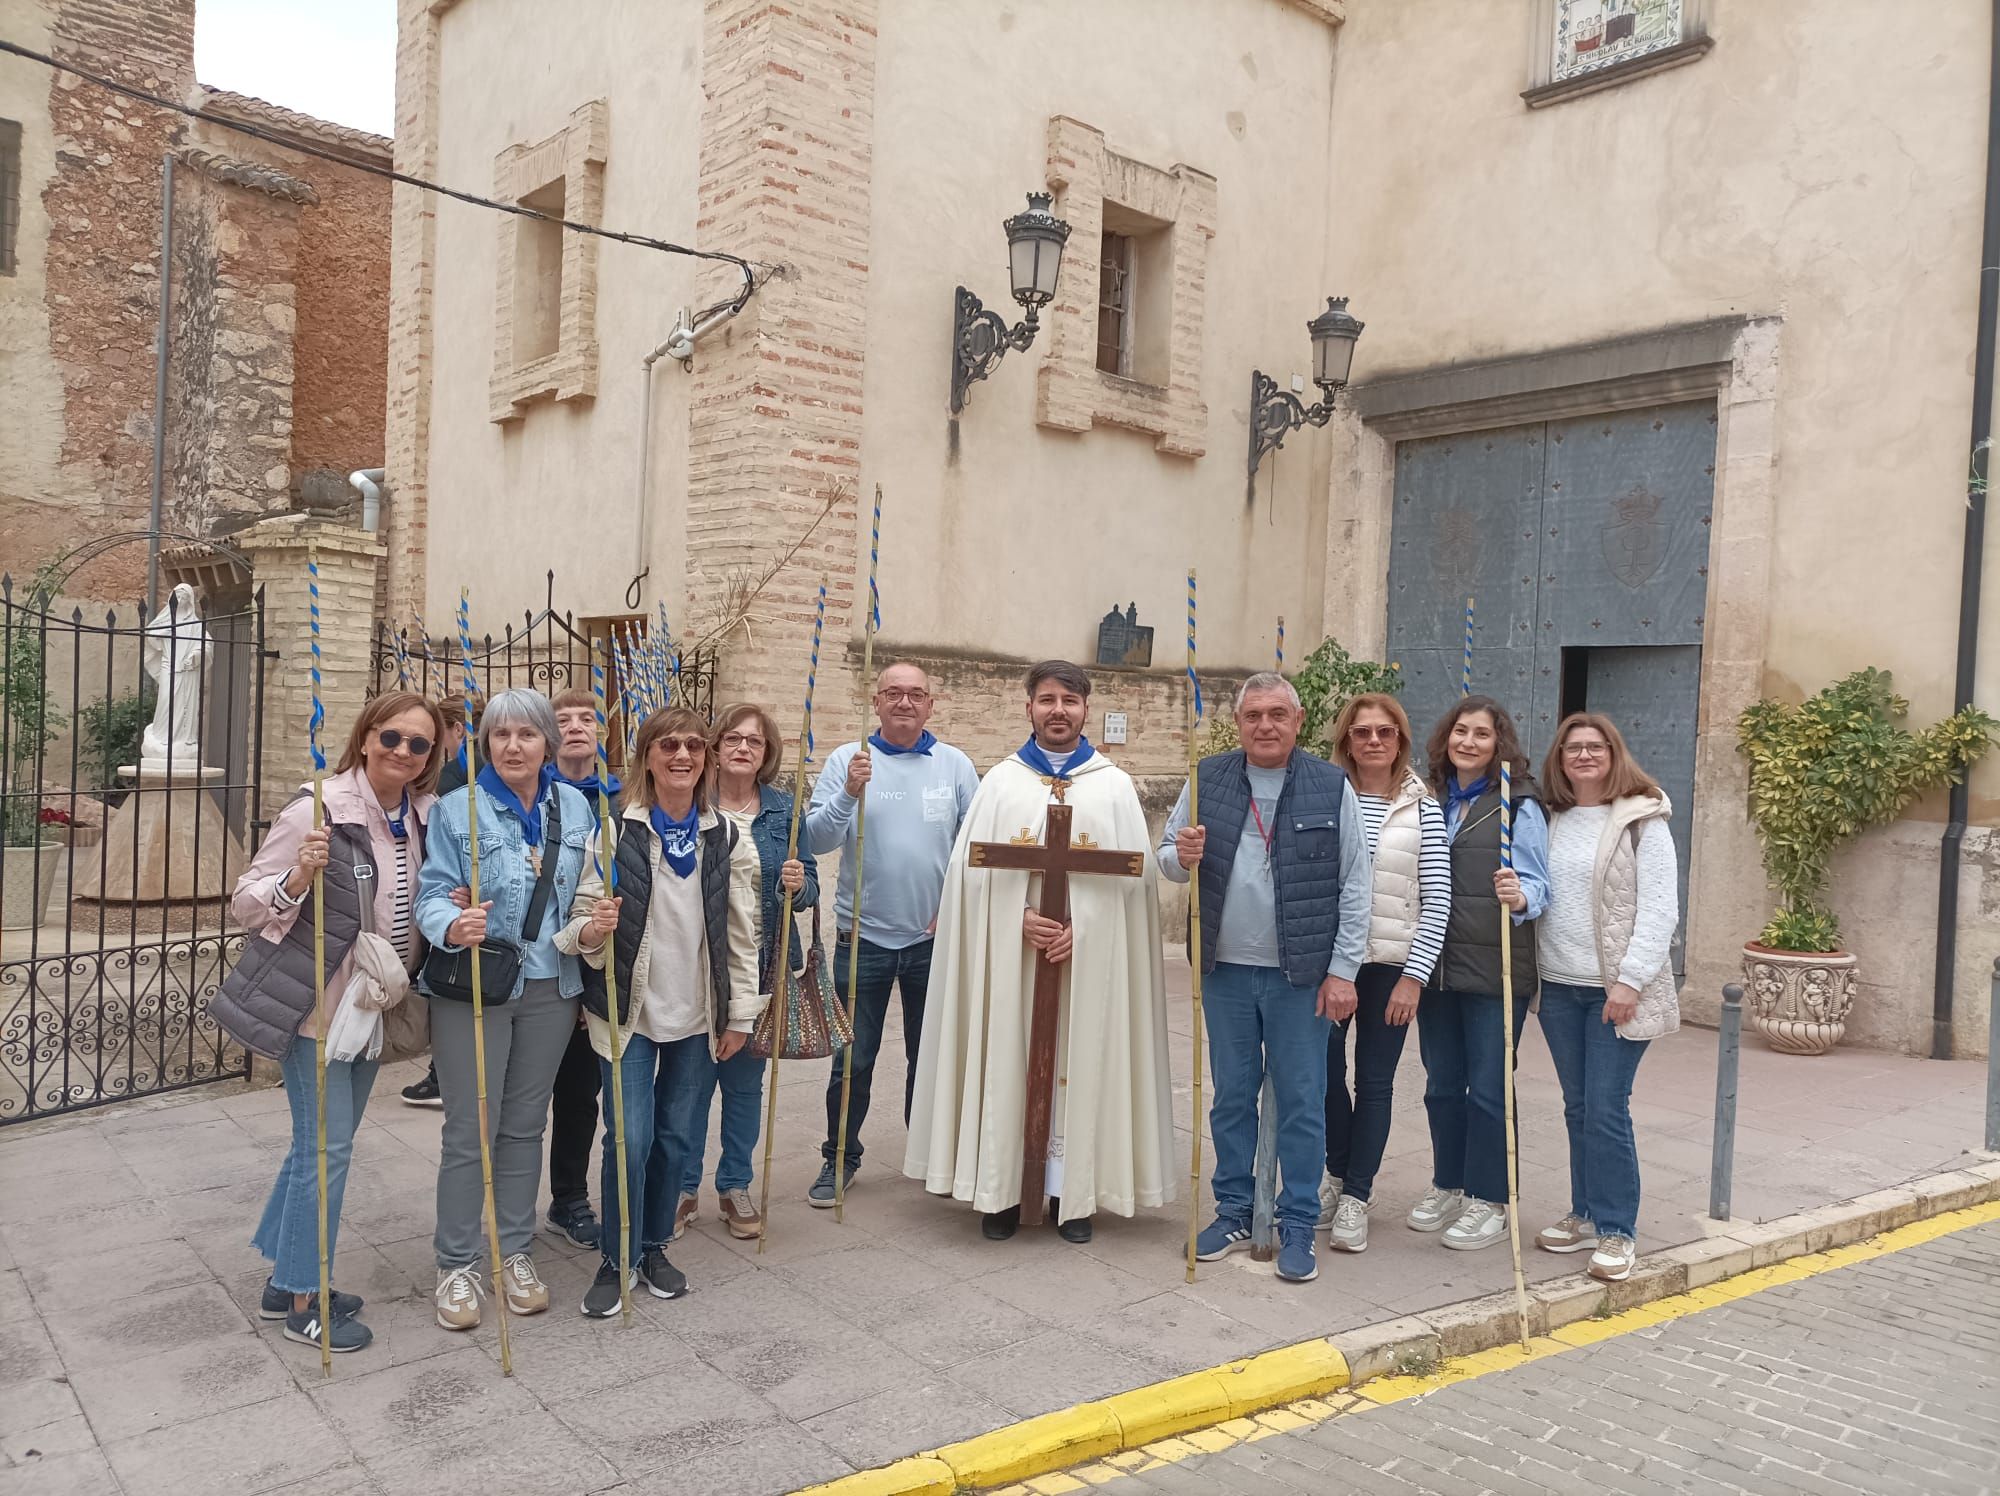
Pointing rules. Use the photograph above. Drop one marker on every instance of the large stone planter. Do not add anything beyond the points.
(26, 898)
(1799, 1001)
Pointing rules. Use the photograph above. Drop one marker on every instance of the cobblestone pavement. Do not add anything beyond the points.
(132, 1361)
(1877, 1377)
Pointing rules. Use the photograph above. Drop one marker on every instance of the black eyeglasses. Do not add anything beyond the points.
(390, 739)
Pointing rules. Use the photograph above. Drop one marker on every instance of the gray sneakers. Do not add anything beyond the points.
(1480, 1224)
(1437, 1210)
(1329, 1196)
(1348, 1231)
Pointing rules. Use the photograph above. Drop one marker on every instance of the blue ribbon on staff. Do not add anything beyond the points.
(1281, 644)
(874, 559)
(1465, 675)
(812, 672)
(318, 717)
(1194, 679)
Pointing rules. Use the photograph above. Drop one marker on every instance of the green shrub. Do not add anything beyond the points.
(31, 720)
(1326, 682)
(1827, 769)
(109, 734)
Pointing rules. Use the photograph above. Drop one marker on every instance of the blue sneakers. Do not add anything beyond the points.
(1221, 1237)
(1296, 1262)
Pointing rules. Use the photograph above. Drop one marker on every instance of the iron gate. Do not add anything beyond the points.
(116, 873)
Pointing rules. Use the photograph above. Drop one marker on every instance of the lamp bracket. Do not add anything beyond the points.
(979, 340)
(1275, 413)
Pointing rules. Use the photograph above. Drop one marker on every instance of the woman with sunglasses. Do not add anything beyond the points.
(1459, 1023)
(748, 754)
(681, 934)
(1411, 862)
(531, 825)
(371, 846)
(1607, 986)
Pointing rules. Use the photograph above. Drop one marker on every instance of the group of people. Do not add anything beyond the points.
(1351, 895)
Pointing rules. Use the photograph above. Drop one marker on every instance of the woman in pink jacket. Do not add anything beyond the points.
(370, 847)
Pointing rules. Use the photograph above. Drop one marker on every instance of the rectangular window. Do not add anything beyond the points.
(10, 193)
(538, 265)
(1114, 305)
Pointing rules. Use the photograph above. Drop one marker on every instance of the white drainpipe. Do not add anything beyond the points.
(368, 483)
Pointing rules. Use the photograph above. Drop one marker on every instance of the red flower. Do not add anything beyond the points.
(50, 816)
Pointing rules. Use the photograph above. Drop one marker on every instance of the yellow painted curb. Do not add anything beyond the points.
(1172, 1420)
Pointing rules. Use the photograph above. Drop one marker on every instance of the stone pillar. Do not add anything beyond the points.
(348, 563)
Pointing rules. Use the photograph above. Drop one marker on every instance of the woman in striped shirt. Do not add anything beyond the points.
(1411, 862)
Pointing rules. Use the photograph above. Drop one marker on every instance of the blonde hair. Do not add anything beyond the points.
(1623, 779)
(1382, 701)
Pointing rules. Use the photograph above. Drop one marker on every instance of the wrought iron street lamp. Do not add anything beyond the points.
(1275, 412)
(979, 338)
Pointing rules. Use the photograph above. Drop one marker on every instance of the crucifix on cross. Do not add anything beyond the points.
(1055, 860)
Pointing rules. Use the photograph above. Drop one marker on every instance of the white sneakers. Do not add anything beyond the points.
(1613, 1259)
(1329, 1197)
(526, 1293)
(1480, 1224)
(1348, 1230)
(1437, 1210)
(1571, 1234)
(458, 1293)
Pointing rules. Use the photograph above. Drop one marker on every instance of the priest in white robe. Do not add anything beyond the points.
(1111, 1131)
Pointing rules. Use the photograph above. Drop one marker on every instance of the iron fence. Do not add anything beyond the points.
(120, 852)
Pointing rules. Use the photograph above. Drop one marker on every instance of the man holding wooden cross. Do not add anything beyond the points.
(1043, 1069)
(1286, 897)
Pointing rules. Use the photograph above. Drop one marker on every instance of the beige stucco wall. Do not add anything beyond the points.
(1818, 166)
(1020, 544)
(559, 488)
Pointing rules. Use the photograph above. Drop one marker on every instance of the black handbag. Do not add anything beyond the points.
(448, 973)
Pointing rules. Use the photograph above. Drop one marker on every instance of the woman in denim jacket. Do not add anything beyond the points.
(747, 751)
(525, 816)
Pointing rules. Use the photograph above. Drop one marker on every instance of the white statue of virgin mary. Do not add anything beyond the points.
(176, 655)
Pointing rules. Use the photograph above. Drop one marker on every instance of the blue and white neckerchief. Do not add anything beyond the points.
(1455, 795)
(1031, 754)
(679, 840)
(399, 817)
(924, 743)
(530, 816)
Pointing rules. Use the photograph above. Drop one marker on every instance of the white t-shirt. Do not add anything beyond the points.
(677, 987)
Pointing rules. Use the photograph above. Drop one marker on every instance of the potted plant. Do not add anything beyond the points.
(28, 722)
(1822, 772)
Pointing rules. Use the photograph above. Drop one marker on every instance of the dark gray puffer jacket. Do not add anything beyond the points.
(265, 999)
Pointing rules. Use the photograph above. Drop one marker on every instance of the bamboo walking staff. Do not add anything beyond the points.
(313, 725)
(608, 857)
(478, 996)
(1194, 921)
(873, 622)
(1507, 1023)
(782, 952)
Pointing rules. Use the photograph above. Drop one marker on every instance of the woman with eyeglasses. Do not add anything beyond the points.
(1411, 862)
(748, 755)
(1607, 985)
(370, 846)
(534, 840)
(1460, 1028)
(680, 931)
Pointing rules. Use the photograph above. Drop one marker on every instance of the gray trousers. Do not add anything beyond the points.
(525, 1040)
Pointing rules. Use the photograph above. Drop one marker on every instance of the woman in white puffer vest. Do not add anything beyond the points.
(1411, 860)
(1607, 985)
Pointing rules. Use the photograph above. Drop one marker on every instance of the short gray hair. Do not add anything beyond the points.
(1264, 680)
(514, 708)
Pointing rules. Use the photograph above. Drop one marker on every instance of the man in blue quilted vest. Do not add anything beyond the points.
(1285, 900)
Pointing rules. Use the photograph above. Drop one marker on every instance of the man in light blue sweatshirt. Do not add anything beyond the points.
(918, 793)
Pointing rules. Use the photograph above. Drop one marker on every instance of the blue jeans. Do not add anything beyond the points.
(660, 1083)
(880, 971)
(1465, 1058)
(288, 1235)
(1596, 1068)
(1255, 1021)
(741, 1078)
(1357, 1127)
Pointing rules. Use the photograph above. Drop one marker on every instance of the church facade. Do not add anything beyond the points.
(1666, 364)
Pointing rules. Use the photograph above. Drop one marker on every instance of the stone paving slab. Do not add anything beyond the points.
(132, 1360)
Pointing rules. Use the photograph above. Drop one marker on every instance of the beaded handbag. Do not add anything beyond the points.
(815, 1023)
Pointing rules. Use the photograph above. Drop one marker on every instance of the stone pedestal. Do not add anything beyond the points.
(167, 841)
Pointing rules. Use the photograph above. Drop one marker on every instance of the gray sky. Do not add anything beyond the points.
(332, 58)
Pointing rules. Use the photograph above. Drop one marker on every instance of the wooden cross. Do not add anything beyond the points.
(1055, 861)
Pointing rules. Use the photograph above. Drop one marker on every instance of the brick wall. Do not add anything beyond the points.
(775, 417)
(340, 361)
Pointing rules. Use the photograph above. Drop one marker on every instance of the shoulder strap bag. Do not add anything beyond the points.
(448, 973)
